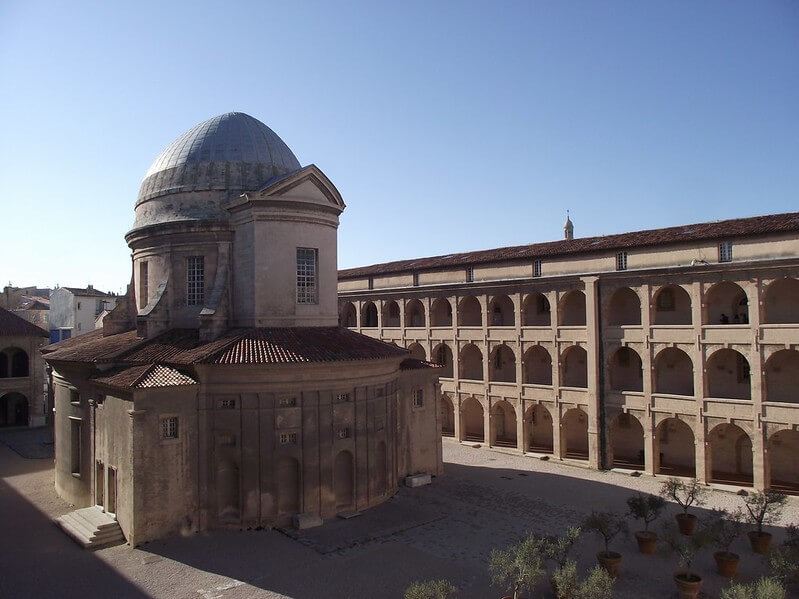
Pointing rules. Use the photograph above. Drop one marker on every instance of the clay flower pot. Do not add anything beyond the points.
(610, 562)
(688, 585)
(686, 523)
(760, 541)
(727, 563)
(647, 541)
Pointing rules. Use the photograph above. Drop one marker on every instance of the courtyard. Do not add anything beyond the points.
(485, 499)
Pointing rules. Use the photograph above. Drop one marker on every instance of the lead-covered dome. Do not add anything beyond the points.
(230, 152)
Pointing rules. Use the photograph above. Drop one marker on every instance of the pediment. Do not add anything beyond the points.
(309, 183)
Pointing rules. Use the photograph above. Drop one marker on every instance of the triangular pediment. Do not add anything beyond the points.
(309, 183)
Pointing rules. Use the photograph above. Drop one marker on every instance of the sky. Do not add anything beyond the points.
(446, 126)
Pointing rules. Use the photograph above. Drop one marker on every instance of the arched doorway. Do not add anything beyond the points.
(672, 306)
(503, 422)
(442, 355)
(447, 417)
(343, 479)
(287, 474)
(414, 314)
(627, 442)
(675, 449)
(391, 314)
(674, 372)
(574, 434)
(781, 304)
(502, 365)
(726, 303)
(473, 422)
(624, 308)
(539, 427)
(441, 313)
(349, 317)
(571, 309)
(626, 371)
(728, 375)
(536, 311)
(574, 367)
(783, 449)
(17, 365)
(782, 376)
(730, 455)
(369, 315)
(502, 312)
(537, 366)
(471, 363)
(13, 409)
(470, 313)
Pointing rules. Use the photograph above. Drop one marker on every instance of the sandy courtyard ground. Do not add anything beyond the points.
(485, 499)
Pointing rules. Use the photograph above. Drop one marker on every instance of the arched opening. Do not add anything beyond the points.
(4, 370)
(414, 314)
(470, 313)
(502, 312)
(783, 447)
(502, 365)
(349, 317)
(781, 302)
(624, 308)
(441, 313)
(447, 417)
(227, 491)
(726, 303)
(18, 362)
(537, 366)
(782, 376)
(574, 434)
(675, 449)
(674, 372)
(539, 427)
(442, 354)
(503, 423)
(13, 410)
(381, 469)
(574, 367)
(391, 314)
(417, 351)
(571, 309)
(471, 363)
(343, 479)
(369, 315)
(627, 442)
(730, 457)
(626, 371)
(287, 473)
(473, 423)
(536, 311)
(672, 306)
(728, 375)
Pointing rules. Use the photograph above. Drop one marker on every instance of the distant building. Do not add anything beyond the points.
(31, 303)
(74, 311)
(22, 372)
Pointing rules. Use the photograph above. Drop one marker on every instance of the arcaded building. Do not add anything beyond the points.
(670, 351)
(22, 372)
(221, 391)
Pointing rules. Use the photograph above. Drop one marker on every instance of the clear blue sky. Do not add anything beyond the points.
(474, 124)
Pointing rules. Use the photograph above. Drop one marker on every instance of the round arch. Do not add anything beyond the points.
(391, 313)
(571, 309)
(414, 314)
(503, 424)
(783, 475)
(672, 306)
(447, 416)
(442, 354)
(417, 351)
(470, 363)
(502, 365)
(627, 442)
(537, 366)
(14, 408)
(470, 313)
(502, 311)
(727, 375)
(675, 448)
(574, 367)
(540, 435)
(369, 315)
(536, 311)
(624, 308)
(441, 313)
(726, 303)
(782, 376)
(626, 370)
(781, 302)
(472, 423)
(574, 434)
(729, 455)
(674, 372)
(349, 316)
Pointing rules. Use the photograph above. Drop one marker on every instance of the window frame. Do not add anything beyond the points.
(537, 267)
(621, 260)
(195, 280)
(725, 251)
(144, 291)
(307, 279)
(164, 426)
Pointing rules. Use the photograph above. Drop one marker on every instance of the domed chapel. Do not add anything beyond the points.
(222, 391)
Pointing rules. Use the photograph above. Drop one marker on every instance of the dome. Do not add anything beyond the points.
(232, 152)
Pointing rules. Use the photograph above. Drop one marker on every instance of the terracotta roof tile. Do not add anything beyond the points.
(146, 377)
(12, 325)
(417, 364)
(90, 347)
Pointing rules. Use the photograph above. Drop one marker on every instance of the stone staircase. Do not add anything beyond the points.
(91, 528)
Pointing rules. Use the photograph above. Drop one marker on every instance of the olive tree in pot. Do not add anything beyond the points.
(607, 525)
(557, 550)
(784, 560)
(765, 588)
(519, 567)
(597, 585)
(648, 509)
(431, 589)
(686, 494)
(688, 581)
(763, 509)
(725, 527)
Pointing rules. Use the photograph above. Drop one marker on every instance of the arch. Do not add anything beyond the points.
(782, 376)
(574, 434)
(14, 409)
(381, 469)
(571, 309)
(672, 306)
(574, 367)
(447, 417)
(726, 303)
(781, 302)
(414, 314)
(502, 312)
(783, 475)
(540, 437)
(502, 365)
(624, 308)
(348, 316)
(4, 370)
(17, 364)
(473, 423)
(417, 351)
(442, 354)
(441, 313)
(626, 370)
(674, 372)
(391, 313)
(287, 475)
(471, 363)
(503, 424)
(228, 491)
(536, 311)
(470, 312)
(730, 455)
(727, 375)
(627, 442)
(537, 366)
(675, 448)
(369, 315)
(343, 479)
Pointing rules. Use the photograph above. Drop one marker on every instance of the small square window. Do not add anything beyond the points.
(469, 274)
(169, 427)
(227, 404)
(725, 251)
(288, 438)
(342, 397)
(343, 433)
(416, 279)
(288, 402)
(537, 267)
(621, 260)
(418, 398)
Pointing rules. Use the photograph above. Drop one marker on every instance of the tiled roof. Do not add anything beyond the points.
(86, 292)
(146, 377)
(417, 364)
(12, 325)
(724, 229)
(90, 347)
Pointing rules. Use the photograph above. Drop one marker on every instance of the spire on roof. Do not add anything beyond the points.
(568, 227)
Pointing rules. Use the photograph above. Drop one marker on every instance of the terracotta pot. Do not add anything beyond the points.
(688, 585)
(727, 563)
(760, 541)
(610, 562)
(647, 541)
(686, 523)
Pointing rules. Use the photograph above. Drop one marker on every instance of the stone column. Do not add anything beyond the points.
(647, 366)
(697, 300)
(757, 376)
(594, 392)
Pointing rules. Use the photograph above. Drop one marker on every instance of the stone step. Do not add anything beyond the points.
(91, 528)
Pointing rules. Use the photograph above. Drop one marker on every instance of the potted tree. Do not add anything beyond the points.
(565, 581)
(646, 508)
(762, 509)
(688, 581)
(725, 527)
(430, 589)
(607, 525)
(597, 585)
(518, 568)
(686, 495)
(784, 560)
(765, 588)
(557, 550)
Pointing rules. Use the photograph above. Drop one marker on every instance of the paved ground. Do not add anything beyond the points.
(485, 499)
